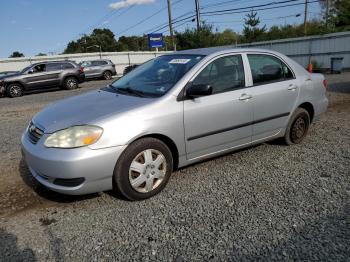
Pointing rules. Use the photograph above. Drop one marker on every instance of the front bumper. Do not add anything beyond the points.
(2, 90)
(92, 167)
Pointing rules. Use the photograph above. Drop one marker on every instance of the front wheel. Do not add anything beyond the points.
(144, 169)
(14, 90)
(298, 127)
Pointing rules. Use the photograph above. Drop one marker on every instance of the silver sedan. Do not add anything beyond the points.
(170, 112)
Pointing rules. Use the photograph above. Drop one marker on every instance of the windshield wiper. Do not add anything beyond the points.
(128, 90)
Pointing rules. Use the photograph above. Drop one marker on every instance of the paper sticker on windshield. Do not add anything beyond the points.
(179, 61)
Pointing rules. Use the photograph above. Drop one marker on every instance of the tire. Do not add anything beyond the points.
(298, 127)
(71, 83)
(146, 178)
(14, 90)
(107, 75)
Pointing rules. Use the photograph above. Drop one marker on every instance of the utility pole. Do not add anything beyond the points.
(198, 15)
(327, 11)
(171, 25)
(305, 17)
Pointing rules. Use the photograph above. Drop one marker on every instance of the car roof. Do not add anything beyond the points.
(221, 49)
(52, 62)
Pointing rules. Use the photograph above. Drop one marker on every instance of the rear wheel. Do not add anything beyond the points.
(14, 90)
(71, 83)
(298, 127)
(144, 169)
(107, 75)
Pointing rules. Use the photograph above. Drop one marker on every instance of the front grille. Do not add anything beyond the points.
(34, 133)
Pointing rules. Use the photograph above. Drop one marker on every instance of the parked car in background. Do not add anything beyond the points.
(99, 69)
(129, 69)
(65, 74)
(170, 112)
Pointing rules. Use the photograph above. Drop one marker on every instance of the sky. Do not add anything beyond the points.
(44, 26)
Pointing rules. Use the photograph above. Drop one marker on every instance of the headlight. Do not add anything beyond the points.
(75, 136)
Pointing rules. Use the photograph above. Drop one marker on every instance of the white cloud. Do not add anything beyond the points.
(127, 3)
(105, 22)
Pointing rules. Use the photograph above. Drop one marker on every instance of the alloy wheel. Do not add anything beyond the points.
(107, 75)
(15, 91)
(72, 84)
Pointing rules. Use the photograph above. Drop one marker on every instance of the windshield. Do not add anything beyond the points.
(25, 69)
(157, 76)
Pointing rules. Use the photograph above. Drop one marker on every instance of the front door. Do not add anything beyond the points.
(222, 120)
(275, 91)
(36, 76)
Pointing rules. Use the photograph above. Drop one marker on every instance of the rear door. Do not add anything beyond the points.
(222, 120)
(96, 68)
(54, 71)
(274, 90)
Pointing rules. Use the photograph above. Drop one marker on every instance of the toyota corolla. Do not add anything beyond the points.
(169, 112)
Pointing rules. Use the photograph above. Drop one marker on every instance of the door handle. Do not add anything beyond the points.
(245, 97)
(292, 87)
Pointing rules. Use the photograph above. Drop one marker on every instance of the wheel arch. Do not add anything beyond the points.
(309, 108)
(15, 82)
(169, 143)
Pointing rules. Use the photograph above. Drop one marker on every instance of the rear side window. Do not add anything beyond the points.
(224, 74)
(58, 66)
(98, 63)
(268, 69)
(67, 66)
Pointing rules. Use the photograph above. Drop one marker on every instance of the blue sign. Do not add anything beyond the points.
(155, 40)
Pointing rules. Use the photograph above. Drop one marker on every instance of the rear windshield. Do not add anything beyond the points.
(158, 75)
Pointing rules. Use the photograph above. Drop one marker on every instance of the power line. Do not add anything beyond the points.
(162, 26)
(259, 9)
(266, 19)
(147, 18)
(249, 7)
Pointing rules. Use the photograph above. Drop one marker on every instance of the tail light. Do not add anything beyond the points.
(113, 65)
(81, 69)
(325, 83)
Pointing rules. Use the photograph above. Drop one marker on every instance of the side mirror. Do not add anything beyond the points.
(30, 71)
(199, 90)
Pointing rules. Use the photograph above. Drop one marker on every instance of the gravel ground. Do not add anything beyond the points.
(268, 202)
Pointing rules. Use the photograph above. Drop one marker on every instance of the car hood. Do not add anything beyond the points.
(85, 109)
(10, 75)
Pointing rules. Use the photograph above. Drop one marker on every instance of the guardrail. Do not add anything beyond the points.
(120, 59)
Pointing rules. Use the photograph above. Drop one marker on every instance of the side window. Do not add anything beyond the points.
(39, 68)
(86, 64)
(53, 67)
(67, 66)
(223, 74)
(98, 63)
(268, 69)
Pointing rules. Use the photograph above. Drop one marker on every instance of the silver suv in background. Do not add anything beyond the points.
(99, 69)
(43, 75)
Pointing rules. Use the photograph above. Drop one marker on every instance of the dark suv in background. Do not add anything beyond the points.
(65, 74)
(99, 69)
